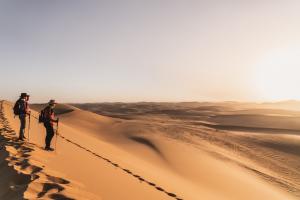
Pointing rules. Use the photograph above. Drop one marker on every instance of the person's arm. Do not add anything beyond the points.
(28, 111)
(55, 120)
(52, 118)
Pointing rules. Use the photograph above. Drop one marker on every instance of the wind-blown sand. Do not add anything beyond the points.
(149, 157)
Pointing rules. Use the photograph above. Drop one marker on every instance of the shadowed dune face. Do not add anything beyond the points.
(12, 184)
(146, 142)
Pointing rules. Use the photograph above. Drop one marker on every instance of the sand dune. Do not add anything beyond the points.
(262, 138)
(100, 157)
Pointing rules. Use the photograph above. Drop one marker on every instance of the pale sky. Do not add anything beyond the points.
(150, 50)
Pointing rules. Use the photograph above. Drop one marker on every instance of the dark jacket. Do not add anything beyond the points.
(49, 115)
(23, 107)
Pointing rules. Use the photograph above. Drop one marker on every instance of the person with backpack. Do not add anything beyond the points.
(47, 117)
(21, 109)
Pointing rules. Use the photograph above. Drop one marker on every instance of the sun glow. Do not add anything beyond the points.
(277, 75)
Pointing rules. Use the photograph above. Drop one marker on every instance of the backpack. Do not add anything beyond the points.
(17, 107)
(42, 117)
(45, 115)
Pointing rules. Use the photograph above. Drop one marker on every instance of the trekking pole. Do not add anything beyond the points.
(29, 127)
(56, 135)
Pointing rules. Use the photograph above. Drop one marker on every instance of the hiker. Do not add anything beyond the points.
(49, 120)
(21, 109)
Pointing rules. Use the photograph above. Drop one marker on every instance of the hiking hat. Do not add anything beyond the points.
(24, 95)
(52, 102)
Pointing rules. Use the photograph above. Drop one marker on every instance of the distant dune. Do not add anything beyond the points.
(156, 151)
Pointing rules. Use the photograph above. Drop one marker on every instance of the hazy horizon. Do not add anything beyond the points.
(153, 51)
(133, 102)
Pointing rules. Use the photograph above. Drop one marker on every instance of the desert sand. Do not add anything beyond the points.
(215, 151)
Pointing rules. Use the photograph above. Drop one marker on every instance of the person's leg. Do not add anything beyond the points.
(22, 126)
(47, 145)
(49, 136)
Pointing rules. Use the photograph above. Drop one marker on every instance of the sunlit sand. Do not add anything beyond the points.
(171, 151)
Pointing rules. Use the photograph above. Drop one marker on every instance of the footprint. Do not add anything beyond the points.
(141, 179)
(49, 186)
(57, 180)
(60, 197)
(171, 194)
(152, 184)
(35, 169)
(159, 188)
(115, 164)
(128, 171)
(34, 177)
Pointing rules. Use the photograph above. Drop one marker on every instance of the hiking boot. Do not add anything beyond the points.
(22, 137)
(49, 149)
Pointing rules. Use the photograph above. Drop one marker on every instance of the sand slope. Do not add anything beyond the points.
(262, 138)
(105, 158)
